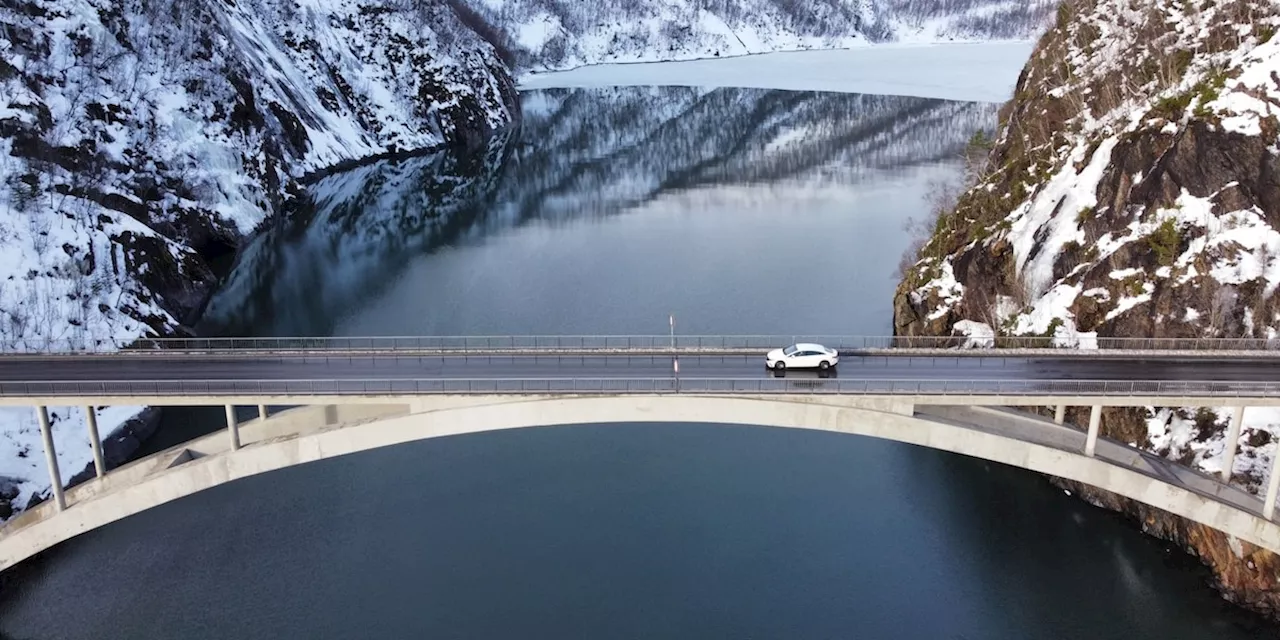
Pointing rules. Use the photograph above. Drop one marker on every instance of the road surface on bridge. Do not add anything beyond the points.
(251, 367)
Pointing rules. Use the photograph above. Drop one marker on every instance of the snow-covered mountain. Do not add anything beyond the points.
(548, 34)
(579, 153)
(1133, 190)
(140, 139)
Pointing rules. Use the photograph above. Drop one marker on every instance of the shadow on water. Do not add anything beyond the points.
(1008, 516)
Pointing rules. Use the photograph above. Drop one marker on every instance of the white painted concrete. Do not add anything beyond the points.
(1273, 488)
(1232, 442)
(1095, 421)
(233, 427)
(156, 483)
(51, 457)
(95, 442)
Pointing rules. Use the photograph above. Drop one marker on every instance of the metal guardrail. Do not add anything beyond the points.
(798, 385)
(629, 342)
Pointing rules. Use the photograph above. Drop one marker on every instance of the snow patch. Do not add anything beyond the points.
(1047, 221)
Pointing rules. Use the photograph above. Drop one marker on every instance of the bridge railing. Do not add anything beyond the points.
(646, 385)
(535, 343)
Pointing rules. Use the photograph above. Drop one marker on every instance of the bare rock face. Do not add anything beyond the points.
(1133, 190)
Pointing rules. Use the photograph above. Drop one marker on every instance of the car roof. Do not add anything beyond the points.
(809, 346)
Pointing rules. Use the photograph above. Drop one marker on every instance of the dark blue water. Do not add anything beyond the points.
(610, 210)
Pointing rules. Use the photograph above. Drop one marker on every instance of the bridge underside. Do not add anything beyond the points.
(341, 427)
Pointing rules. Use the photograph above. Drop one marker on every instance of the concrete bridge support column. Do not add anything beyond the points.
(262, 412)
(1060, 414)
(1095, 421)
(233, 428)
(1233, 440)
(51, 458)
(1273, 484)
(95, 441)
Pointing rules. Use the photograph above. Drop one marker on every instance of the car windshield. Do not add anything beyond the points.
(790, 350)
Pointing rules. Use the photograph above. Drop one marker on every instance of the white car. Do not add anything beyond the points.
(803, 355)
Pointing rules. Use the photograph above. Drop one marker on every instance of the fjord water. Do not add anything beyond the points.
(740, 211)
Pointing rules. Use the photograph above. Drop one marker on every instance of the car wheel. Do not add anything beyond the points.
(779, 365)
(824, 365)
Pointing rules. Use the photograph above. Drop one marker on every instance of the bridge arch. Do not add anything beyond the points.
(431, 418)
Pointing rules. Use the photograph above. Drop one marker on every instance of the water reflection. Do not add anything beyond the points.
(351, 230)
(580, 154)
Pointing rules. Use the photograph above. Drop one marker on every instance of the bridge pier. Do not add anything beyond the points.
(95, 441)
(1060, 414)
(51, 457)
(262, 412)
(1095, 421)
(233, 428)
(1233, 441)
(1273, 485)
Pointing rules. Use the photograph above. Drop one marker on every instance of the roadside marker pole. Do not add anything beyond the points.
(675, 359)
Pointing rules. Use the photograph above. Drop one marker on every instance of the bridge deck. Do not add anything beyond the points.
(283, 375)
(1079, 344)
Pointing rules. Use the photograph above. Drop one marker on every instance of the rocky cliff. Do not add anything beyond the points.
(1132, 189)
(140, 140)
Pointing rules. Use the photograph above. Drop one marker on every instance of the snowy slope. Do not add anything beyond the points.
(579, 154)
(1132, 192)
(141, 138)
(541, 34)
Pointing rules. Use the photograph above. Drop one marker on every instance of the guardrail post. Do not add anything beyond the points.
(233, 428)
(1233, 441)
(262, 412)
(1095, 421)
(1060, 414)
(95, 441)
(51, 457)
(1273, 484)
